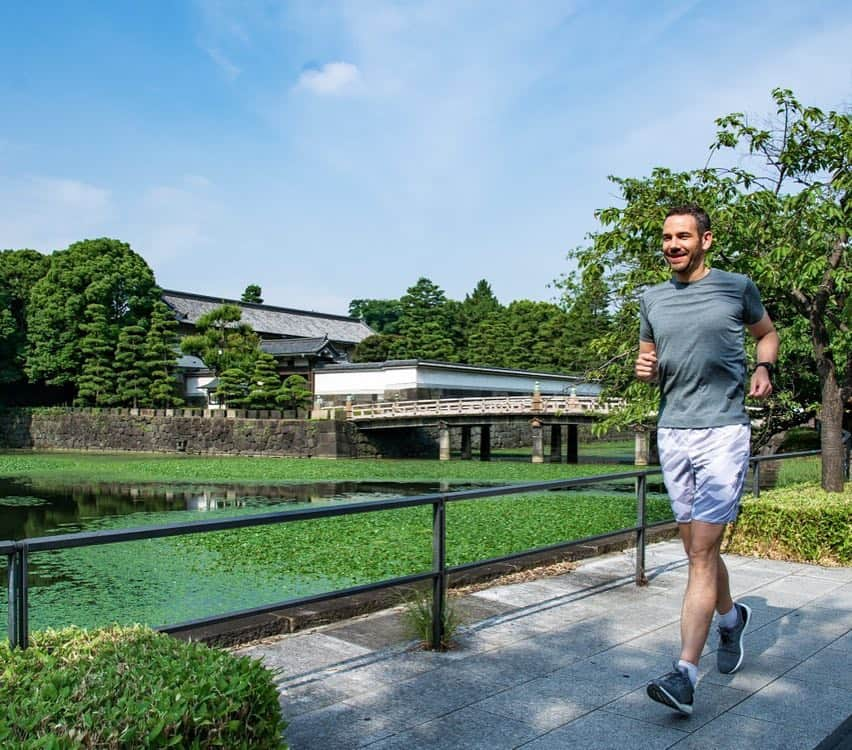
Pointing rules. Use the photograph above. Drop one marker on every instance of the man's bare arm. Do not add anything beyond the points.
(767, 351)
(646, 362)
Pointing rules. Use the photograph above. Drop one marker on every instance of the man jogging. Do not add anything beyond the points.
(691, 343)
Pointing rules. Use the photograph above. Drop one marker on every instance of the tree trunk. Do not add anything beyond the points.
(831, 419)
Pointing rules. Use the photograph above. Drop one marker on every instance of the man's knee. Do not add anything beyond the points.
(703, 557)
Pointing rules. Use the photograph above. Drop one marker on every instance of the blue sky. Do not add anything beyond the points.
(341, 149)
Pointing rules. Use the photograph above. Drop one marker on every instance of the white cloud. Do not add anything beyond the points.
(49, 213)
(70, 194)
(332, 79)
(230, 70)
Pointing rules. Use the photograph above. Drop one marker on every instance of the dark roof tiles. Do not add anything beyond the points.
(277, 321)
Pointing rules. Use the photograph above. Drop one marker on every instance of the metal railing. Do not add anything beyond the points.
(758, 460)
(17, 552)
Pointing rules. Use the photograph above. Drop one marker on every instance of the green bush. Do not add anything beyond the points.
(133, 688)
(802, 523)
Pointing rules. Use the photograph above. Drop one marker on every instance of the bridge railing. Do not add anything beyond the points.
(486, 405)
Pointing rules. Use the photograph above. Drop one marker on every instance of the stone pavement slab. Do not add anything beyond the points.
(563, 662)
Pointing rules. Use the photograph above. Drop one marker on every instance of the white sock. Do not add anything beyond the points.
(691, 670)
(730, 619)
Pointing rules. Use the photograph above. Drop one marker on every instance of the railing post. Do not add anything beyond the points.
(439, 568)
(755, 480)
(18, 626)
(641, 492)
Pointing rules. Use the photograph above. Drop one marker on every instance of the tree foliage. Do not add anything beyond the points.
(376, 348)
(131, 374)
(252, 294)
(265, 383)
(233, 387)
(294, 393)
(19, 271)
(424, 324)
(382, 315)
(96, 381)
(161, 356)
(223, 341)
(105, 272)
(785, 223)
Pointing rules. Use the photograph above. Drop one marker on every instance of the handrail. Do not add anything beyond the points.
(18, 551)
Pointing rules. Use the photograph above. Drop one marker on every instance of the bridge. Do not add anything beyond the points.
(482, 412)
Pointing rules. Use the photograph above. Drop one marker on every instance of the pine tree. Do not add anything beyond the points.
(132, 381)
(478, 306)
(252, 294)
(489, 342)
(161, 356)
(424, 325)
(265, 383)
(222, 340)
(96, 382)
(294, 393)
(233, 388)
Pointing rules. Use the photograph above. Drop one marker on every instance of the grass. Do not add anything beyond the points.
(103, 467)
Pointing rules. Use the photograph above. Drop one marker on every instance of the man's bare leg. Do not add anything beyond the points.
(724, 600)
(708, 588)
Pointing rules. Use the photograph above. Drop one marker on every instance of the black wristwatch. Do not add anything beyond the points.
(770, 368)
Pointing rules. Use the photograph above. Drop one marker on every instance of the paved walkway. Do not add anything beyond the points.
(562, 662)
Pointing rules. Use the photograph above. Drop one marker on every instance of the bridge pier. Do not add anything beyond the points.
(537, 442)
(572, 454)
(485, 442)
(443, 441)
(556, 443)
(641, 448)
(465, 443)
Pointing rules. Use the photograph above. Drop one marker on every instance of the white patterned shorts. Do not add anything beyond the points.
(704, 470)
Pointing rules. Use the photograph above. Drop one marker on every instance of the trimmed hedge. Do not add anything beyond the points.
(802, 522)
(132, 687)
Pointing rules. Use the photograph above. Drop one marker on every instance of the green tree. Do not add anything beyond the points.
(19, 271)
(223, 341)
(252, 294)
(376, 348)
(423, 324)
(132, 379)
(490, 341)
(96, 382)
(785, 224)
(480, 304)
(161, 357)
(265, 383)
(587, 317)
(294, 393)
(536, 331)
(382, 315)
(232, 390)
(103, 271)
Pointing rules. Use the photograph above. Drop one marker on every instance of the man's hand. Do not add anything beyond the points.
(761, 385)
(646, 366)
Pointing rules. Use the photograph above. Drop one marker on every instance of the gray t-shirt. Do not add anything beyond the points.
(697, 329)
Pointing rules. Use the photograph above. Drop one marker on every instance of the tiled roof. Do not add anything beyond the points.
(296, 346)
(277, 321)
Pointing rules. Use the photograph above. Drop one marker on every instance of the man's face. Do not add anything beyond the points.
(684, 248)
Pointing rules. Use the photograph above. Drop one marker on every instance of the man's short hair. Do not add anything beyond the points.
(698, 213)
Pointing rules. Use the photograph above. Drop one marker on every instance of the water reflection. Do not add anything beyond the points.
(29, 509)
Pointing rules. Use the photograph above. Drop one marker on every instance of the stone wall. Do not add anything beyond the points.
(183, 432)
